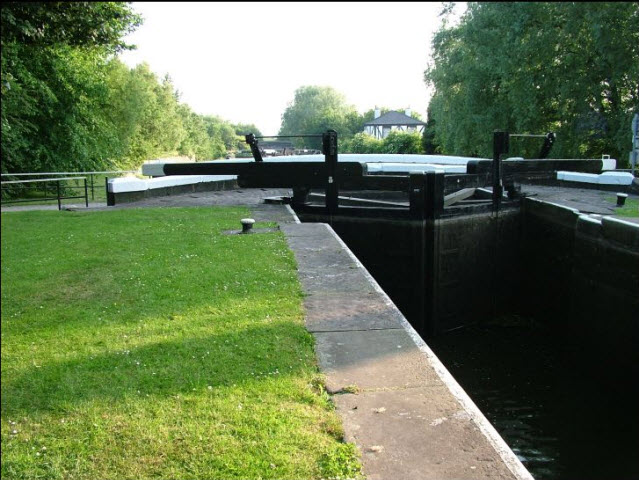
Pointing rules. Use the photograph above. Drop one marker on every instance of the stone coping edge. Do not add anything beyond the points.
(293, 214)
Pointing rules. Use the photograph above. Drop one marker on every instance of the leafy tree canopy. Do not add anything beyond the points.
(316, 109)
(246, 128)
(536, 67)
(69, 105)
(98, 24)
(54, 91)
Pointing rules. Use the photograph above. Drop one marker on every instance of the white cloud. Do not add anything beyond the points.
(244, 61)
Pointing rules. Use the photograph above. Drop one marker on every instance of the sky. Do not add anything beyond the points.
(243, 61)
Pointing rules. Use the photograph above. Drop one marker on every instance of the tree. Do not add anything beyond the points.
(533, 68)
(69, 104)
(159, 130)
(126, 101)
(402, 142)
(429, 144)
(54, 95)
(223, 135)
(361, 143)
(315, 110)
(53, 110)
(196, 143)
(395, 142)
(74, 24)
(151, 122)
(242, 129)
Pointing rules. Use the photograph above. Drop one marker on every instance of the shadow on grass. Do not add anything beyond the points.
(161, 369)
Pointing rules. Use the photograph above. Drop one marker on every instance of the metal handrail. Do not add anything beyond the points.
(58, 196)
(91, 174)
(64, 173)
(42, 180)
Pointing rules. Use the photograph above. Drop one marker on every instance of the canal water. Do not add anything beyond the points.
(567, 410)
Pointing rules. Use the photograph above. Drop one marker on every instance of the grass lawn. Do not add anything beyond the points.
(145, 343)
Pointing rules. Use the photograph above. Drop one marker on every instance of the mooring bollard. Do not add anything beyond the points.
(621, 199)
(247, 225)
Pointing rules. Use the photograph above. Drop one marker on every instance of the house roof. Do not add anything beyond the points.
(395, 118)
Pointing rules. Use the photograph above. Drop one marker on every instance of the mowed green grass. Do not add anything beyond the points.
(146, 344)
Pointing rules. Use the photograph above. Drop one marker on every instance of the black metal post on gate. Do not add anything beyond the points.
(416, 195)
(434, 195)
(329, 148)
(426, 195)
(500, 146)
(110, 197)
(58, 189)
(255, 150)
(86, 192)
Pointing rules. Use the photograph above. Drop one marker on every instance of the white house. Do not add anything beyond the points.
(382, 125)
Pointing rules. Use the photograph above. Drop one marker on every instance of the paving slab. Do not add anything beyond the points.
(273, 213)
(333, 280)
(310, 230)
(420, 433)
(329, 260)
(347, 311)
(373, 360)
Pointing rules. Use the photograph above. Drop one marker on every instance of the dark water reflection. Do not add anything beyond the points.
(568, 410)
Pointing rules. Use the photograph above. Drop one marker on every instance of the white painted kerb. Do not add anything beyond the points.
(413, 167)
(121, 185)
(605, 178)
